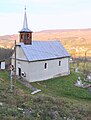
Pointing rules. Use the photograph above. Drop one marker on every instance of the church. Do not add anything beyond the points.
(39, 60)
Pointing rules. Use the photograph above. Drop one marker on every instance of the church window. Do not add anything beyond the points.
(45, 66)
(59, 63)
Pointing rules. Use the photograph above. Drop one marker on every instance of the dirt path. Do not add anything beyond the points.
(27, 84)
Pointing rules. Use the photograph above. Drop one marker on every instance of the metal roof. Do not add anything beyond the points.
(44, 50)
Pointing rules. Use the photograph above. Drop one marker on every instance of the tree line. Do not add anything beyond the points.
(5, 54)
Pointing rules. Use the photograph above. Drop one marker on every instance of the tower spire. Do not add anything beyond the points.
(25, 24)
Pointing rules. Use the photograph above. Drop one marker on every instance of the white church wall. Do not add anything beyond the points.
(37, 72)
(19, 53)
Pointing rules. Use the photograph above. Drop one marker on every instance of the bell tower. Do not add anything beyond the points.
(25, 33)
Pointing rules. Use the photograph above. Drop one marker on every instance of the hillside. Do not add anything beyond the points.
(7, 41)
(59, 99)
(76, 41)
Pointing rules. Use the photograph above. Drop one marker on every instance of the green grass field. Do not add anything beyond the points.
(58, 100)
(64, 87)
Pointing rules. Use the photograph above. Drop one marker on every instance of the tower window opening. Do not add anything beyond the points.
(28, 36)
(21, 36)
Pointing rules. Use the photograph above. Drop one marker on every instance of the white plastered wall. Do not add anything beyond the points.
(37, 72)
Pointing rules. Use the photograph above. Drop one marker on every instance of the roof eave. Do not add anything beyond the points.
(49, 59)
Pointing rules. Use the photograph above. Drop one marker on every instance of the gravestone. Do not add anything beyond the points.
(79, 82)
(76, 70)
(89, 77)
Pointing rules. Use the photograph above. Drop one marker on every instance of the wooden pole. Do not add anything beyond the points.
(15, 64)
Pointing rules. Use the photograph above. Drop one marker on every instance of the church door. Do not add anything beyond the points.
(19, 72)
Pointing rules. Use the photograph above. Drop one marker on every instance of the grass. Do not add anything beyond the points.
(58, 100)
(64, 87)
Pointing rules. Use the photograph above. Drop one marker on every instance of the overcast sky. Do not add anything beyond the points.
(44, 14)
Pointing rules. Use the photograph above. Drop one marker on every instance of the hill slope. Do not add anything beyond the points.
(76, 41)
(58, 100)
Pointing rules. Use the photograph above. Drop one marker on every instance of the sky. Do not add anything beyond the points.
(44, 15)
